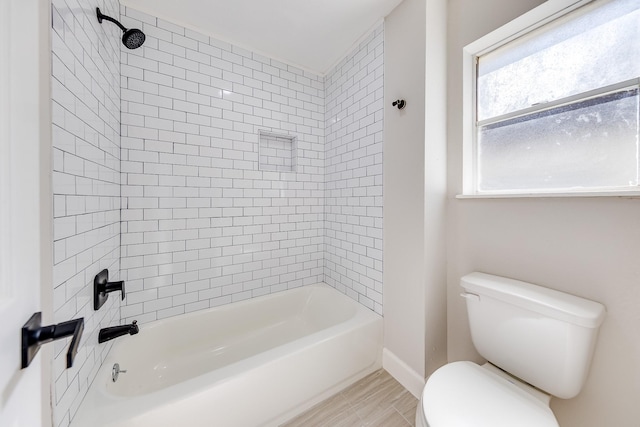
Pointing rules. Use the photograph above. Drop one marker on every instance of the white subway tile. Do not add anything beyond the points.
(214, 96)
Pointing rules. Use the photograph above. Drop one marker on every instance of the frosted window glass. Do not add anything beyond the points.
(586, 145)
(587, 49)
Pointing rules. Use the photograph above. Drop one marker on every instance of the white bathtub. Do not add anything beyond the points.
(253, 363)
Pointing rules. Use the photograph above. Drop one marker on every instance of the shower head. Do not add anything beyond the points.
(132, 38)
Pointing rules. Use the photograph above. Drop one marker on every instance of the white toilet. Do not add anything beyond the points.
(538, 343)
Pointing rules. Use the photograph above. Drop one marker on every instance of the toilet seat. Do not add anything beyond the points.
(463, 394)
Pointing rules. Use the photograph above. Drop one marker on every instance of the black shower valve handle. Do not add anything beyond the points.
(102, 287)
(115, 286)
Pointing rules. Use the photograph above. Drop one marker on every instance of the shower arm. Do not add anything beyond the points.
(108, 18)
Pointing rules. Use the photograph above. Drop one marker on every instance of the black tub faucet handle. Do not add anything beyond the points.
(102, 287)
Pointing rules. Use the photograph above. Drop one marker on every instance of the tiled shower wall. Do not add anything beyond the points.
(86, 185)
(202, 224)
(354, 129)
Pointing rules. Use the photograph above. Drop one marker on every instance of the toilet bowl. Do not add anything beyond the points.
(538, 342)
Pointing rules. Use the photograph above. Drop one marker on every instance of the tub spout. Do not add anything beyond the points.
(107, 334)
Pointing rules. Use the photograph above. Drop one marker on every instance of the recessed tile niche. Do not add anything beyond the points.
(277, 152)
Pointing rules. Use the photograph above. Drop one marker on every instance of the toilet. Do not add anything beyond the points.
(538, 343)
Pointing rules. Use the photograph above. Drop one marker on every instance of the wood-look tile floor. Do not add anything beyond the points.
(377, 400)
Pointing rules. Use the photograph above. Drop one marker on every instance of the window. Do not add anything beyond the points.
(553, 104)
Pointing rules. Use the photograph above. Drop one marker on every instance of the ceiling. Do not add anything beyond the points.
(311, 34)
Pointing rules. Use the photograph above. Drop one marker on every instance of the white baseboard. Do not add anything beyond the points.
(399, 370)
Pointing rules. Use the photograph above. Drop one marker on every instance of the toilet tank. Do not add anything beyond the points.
(542, 336)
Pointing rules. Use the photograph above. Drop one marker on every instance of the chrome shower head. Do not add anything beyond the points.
(132, 38)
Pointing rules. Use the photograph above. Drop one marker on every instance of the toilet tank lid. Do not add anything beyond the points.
(548, 302)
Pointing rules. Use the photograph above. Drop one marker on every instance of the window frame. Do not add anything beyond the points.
(524, 24)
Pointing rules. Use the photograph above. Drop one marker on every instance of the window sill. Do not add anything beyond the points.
(619, 194)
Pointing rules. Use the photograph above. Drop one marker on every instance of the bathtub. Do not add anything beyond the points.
(257, 362)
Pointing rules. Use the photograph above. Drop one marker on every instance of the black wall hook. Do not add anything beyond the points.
(102, 287)
(400, 103)
(34, 335)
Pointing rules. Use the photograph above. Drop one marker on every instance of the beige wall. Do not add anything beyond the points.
(585, 246)
(414, 191)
